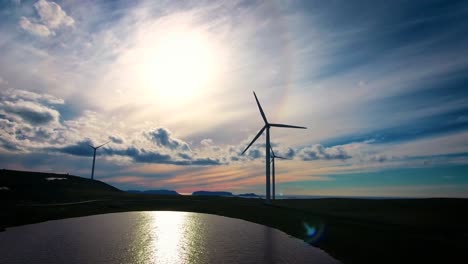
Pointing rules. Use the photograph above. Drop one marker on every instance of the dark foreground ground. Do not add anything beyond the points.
(351, 230)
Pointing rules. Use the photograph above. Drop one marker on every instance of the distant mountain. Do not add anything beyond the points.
(51, 187)
(159, 192)
(250, 195)
(208, 193)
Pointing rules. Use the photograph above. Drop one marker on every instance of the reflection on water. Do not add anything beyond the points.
(167, 233)
(154, 237)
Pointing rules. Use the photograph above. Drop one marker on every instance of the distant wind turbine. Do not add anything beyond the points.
(267, 146)
(273, 157)
(94, 157)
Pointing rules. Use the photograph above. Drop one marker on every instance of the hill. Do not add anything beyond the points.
(208, 193)
(248, 195)
(51, 187)
(158, 192)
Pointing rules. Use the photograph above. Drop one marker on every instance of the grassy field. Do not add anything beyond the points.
(351, 230)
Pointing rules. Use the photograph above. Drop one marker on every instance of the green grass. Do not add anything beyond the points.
(352, 230)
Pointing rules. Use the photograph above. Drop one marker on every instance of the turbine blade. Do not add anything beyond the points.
(260, 108)
(91, 146)
(282, 125)
(280, 157)
(255, 138)
(102, 145)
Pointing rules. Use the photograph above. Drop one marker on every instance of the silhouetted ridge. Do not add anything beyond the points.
(159, 192)
(39, 187)
(208, 193)
(248, 195)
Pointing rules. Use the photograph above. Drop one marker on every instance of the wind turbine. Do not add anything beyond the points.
(94, 157)
(273, 157)
(267, 146)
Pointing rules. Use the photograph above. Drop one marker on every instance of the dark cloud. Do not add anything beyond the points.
(141, 155)
(379, 158)
(152, 157)
(184, 156)
(206, 162)
(81, 148)
(255, 154)
(289, 153)
(8, 145)
(116, 140)
(319, 152)
(162, 138)
(28, 120)
(130, 152)
(33, 116)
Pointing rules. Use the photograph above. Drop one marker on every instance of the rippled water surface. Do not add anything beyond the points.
(154, 237)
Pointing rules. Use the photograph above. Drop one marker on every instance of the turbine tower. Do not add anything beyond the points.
(266, 128)
(273, 157)
(94, 157)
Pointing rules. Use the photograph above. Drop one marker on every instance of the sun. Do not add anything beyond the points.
(179, 65)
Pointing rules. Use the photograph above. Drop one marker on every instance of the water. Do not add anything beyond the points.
(154, 237)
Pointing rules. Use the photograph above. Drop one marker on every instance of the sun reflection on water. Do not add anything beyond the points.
(167, 232)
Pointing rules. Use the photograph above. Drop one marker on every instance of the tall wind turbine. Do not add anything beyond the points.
(273, 157)
(267, 146)
(94, 157)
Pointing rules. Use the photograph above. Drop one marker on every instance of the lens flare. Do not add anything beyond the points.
(310, 230)
(313, 232)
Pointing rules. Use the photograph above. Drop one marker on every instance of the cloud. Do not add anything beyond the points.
(116, 140)
(138, 155)
(152, 156)
(52, 15)
(8, 145)
(17, 94)
(206, 162)
(31, 124)
(29, 107)
(31, 113)
(207, 142)
(319, 152)
(162, 138)
(28, 120)
(290, 153)
(144, 156)
(81, 148)
(184, 156)
(379, 158)
(34, 28)
(255, 153)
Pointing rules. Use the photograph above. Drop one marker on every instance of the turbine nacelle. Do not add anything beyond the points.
(273, 155)
(267, 124)
(95, 148)
(94, 157)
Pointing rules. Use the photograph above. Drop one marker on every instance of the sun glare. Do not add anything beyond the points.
(179, 66)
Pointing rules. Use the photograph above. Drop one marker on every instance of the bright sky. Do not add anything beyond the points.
(381, 86)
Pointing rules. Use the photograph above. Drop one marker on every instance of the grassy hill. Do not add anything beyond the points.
(23, 186)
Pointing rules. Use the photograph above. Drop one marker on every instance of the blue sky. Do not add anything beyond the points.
(381, 86)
